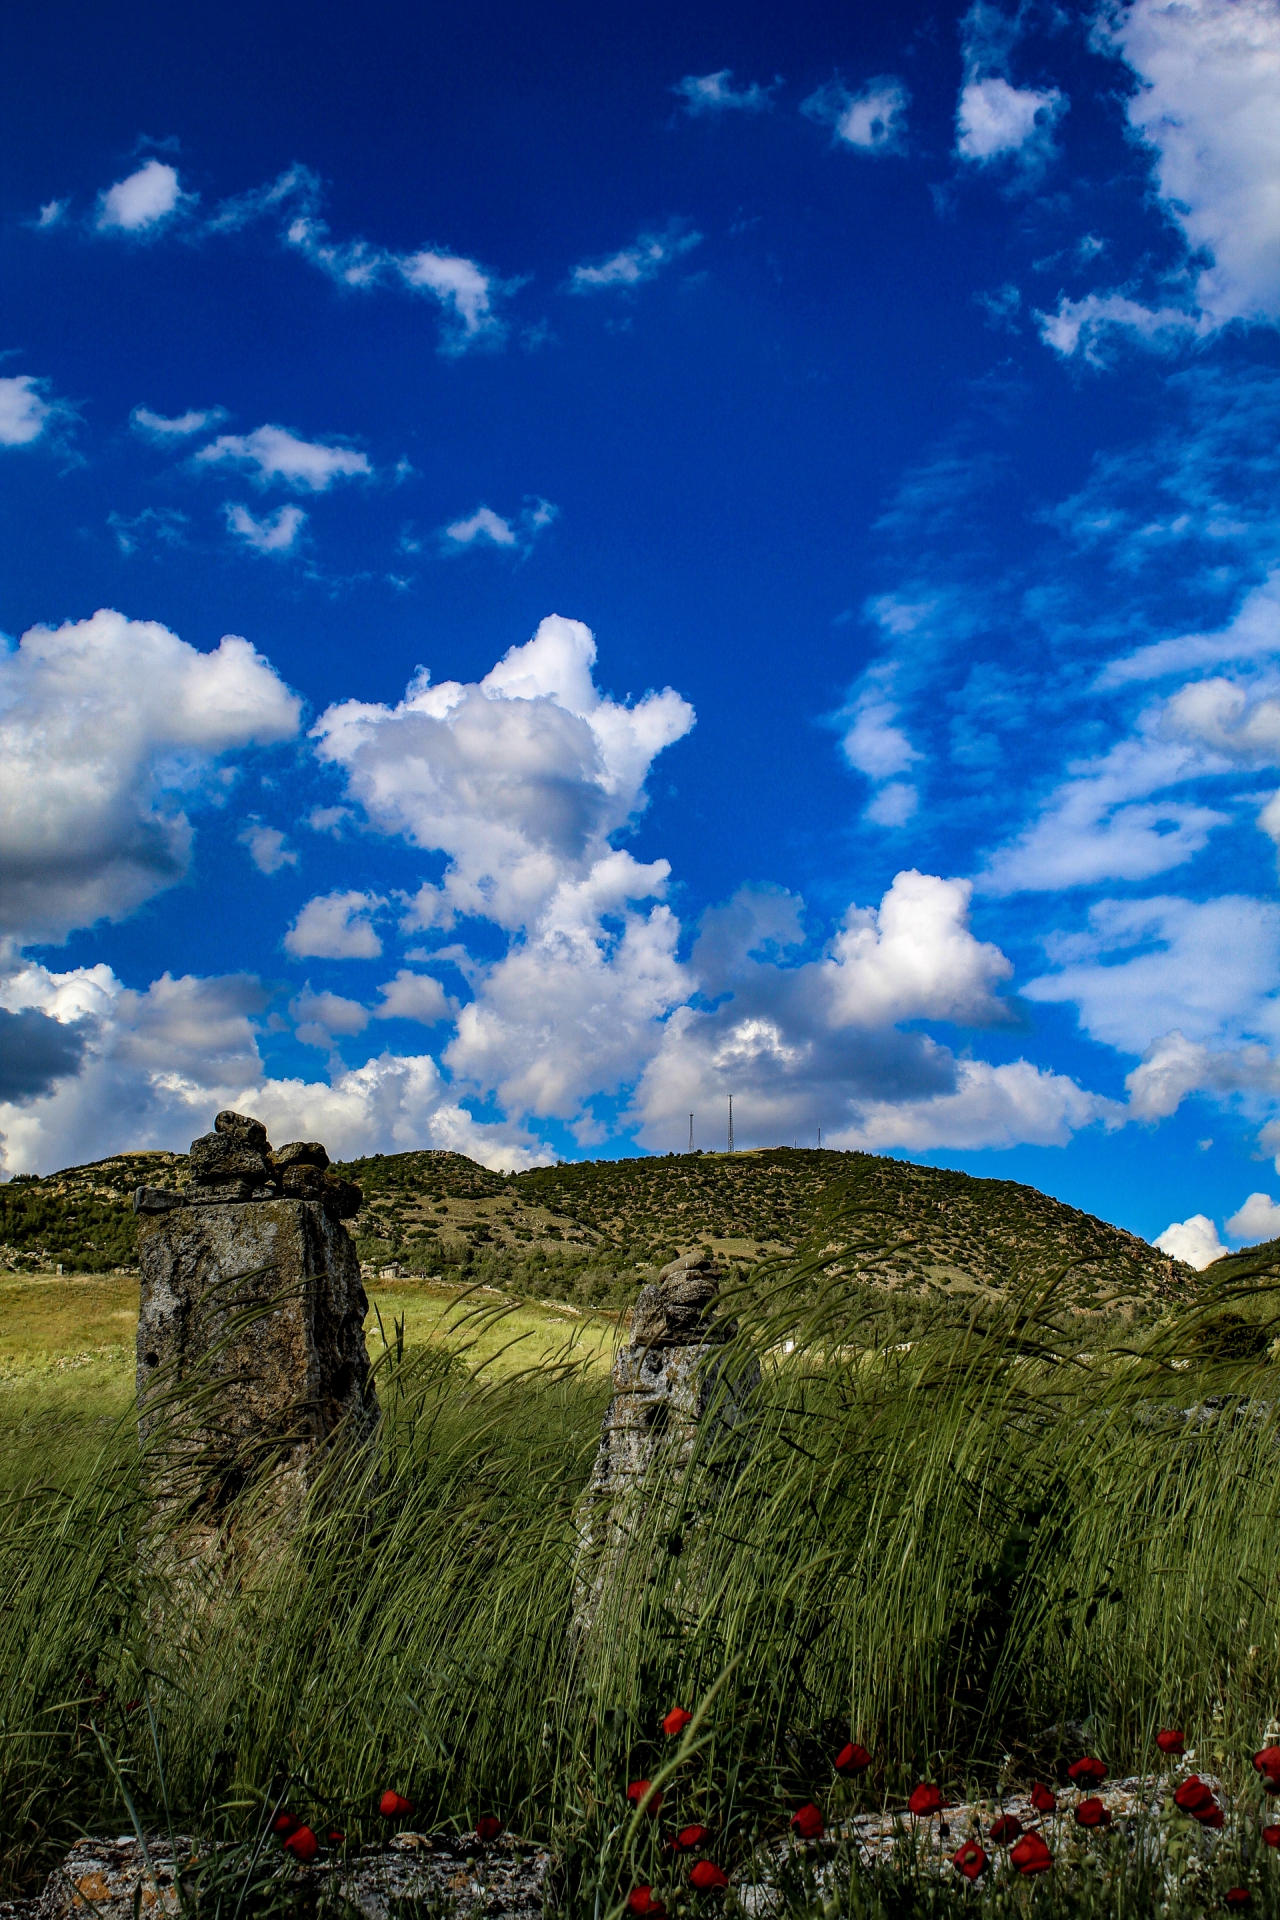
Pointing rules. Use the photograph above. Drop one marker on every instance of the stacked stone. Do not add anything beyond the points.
(236, 1163)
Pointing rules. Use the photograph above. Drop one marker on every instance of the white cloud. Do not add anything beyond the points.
(1254, 632)
(893, 805)
(1195, 1241)
(872, 120)
(103, 723)
(1174, 1066)
(484, 527)
(1241, 724)
(995, 119)
(276, 454)
(336, 926)
(164, 429)
(1257, 1220)
(24, 413)
(273, 533)
(1097, 321)
(1210, 969)
(160, 1064)
(520, 779)
(1208, 104)
(709, 93)
(459, 285)
(52, 213)
(414, 996)
(267, 847)
(873, 743)
(322, 1015)
(165, 525)
(633, 265)
(1100, 826)
(141, 202)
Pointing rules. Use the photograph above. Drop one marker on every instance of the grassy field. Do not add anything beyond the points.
(978, 1551)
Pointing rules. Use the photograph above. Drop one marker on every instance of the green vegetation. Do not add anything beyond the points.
(1023, 1529)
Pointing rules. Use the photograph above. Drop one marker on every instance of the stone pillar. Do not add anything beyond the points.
(664, 1381)
(251, 1351)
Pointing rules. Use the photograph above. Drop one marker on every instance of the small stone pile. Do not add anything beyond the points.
(237, 1163)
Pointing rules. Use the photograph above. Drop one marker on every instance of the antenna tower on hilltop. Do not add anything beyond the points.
(731, 1123)
(691, 1133)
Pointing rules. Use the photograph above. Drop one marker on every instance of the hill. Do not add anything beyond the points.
(591, 1232)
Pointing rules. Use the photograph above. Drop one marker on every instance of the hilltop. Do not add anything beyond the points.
(593, 1231)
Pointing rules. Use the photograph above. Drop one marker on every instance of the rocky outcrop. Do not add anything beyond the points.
(251, 1354)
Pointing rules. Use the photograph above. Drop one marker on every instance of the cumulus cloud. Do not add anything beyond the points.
(274, 533)
(1195, 1241)
(893, 805)
(1257, 1220)
(414, 996)
(104, 723)
(520, 779)
(995, 120)
(142, 202)
(1240, 724)
(24, 412)
(157, 1065)
(336, 926)
(322, 1015)
(268, 848)
(486, 528)
(1208, 968)
(1174, 1067)
(631, 266)
(36, 1051)
(712, 93)
(872, 120)
(273, 453)
(165, 429)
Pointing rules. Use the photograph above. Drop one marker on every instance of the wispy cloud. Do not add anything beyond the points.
(274, 533)
(162, 524)
(643, 260)
(486, 528)
(164, 429)
(24, 412)
(872, 120)
(142, 202)
(275, 454)
(711, 93)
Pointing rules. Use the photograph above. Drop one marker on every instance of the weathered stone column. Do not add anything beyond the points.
(251, 1351)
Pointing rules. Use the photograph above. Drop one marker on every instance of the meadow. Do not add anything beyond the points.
(979, 1551)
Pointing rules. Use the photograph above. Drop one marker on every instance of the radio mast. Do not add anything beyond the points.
(691, 1133)
(731, 1123)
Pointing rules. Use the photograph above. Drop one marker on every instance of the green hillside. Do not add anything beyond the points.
(592, 1232)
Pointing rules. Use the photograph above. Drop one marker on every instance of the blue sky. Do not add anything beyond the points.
(561, 566)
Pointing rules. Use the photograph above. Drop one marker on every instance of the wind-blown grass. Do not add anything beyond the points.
(972, 1552)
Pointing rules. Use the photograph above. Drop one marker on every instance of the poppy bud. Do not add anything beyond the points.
(707, 1876)
(1170, 1740)
(971, 1860)
(926, 1798)
(636, 1793)
(641, 1900)
(1043, 1800)
(687, 1839)
(808, 1823)
(852, 1760)
(1031, 1855)
(334, 1838)
(394, 1806)
(1237, 1896)
(1092, 1813)
(284, 1824)
(1087, 1772)
(1005, 1830)
(1271, 1836)
(676, 1722)
(303, 1845)
(488, 1827)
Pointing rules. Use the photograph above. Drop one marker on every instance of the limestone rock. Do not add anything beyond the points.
(220, 1156)
(157, 1199)
(299, 1153)
(243, 1129)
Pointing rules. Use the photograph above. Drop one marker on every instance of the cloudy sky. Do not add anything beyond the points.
(562, 564)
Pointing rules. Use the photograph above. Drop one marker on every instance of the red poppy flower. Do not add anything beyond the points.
(852, 1760)
(1031, 1855)
(636, 1793)
(1193, 1796)
(1268, 1764)
(971, 1860)
(1271, 1836)
(1170, 1740)
(394, 1806)
(926, 1798)
(1043, 1800)
(334, 1838)
(1005, 1830)
(676, 1721)
(1214, 1817)
(707, 1876)
(1092, 1813)
(808, 1823)
(1237, 1896)
(488, 1827)
(687, 1839)
(284, 1824)
(641, 1900)
(303, 1845)
(1087, 1772)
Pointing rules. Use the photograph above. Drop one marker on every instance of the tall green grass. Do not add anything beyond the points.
(973, 1552)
